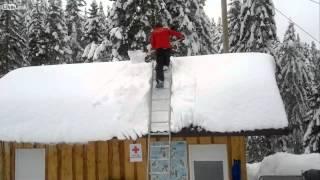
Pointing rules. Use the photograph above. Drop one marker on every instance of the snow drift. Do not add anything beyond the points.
(252, 170)
(283, 164)
(99, 101)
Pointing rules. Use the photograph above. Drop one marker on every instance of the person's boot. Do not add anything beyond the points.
(160, 84)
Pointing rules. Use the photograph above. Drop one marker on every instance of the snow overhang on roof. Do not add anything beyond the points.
(99, 101)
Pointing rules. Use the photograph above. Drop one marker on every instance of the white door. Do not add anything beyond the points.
(30, 164)
(208, 162)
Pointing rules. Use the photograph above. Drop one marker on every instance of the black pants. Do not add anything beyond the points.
(163, 59)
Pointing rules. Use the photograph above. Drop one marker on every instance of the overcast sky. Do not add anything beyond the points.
(303, 12)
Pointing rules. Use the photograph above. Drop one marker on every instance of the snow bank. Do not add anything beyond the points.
(283, 164)
(252, 170)
(99, 101)
(226, 93)
(75, 103)
(288, 164)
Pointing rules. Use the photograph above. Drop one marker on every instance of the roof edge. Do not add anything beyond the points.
(192, 131)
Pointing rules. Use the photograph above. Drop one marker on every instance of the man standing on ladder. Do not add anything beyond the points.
(160, 41)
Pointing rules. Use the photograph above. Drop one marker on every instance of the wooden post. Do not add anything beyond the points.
(225, 26)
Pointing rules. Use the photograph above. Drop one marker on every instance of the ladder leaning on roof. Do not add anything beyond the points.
(160, 123)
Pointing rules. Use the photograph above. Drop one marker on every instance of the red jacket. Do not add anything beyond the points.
(160, 37)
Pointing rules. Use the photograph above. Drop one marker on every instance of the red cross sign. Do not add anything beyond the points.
(135, 153)
(135, 149)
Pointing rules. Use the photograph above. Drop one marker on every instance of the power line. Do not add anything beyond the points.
(301, 28)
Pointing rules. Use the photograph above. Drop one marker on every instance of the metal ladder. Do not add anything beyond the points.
(160, 121)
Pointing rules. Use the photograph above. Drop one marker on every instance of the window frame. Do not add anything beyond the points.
(208, 152)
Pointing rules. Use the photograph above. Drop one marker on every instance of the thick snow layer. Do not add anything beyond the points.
(137, 56)
(75, 103)
(99, 101)
(225, 93)
(283, 164)
(252, 171)
(288, 164)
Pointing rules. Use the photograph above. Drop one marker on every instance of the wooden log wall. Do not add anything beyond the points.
(105, 160)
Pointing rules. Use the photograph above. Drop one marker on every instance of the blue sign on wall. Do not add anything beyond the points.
(160, 164)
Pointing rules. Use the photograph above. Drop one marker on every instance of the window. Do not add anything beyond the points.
(208, 170)
(208, 162)
(30, 164)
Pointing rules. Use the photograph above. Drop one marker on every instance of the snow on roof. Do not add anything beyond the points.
(227, 93)
(99, 101)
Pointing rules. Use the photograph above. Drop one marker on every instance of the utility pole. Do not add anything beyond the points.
(225, 26)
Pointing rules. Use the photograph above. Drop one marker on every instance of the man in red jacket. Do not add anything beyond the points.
(160, 41)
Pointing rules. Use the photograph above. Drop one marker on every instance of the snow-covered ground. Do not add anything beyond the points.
(99, 101)
(283, 164)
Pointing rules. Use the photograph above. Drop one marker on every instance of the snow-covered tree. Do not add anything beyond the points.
(311, 138)
(138, 27)
(12, 41)
(131, 23)
(183, 13)
(258, 28)
(58, 49)
(189, 18)
(234, 23)
(37, 37)
(103, 20)
(293, 63)
(258, 147)
(74, 21)
(216, 33)
(94, 31)
(203, 29)
(314, 54)
(296, 79)
(93, 26)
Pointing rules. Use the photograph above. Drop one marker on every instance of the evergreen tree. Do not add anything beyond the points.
(314, 55)
(295, 80)
(183, 14)
(37, 36)
(217, 35)
(234, 23)
(93, 31)
(292, 59)
(258, 147)
(311, 138)
(258, 29)
(132, 22)
(93, 27)
(103, 20)
(74, 21)
(203, 29)
(12, 41)
(58, 49)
